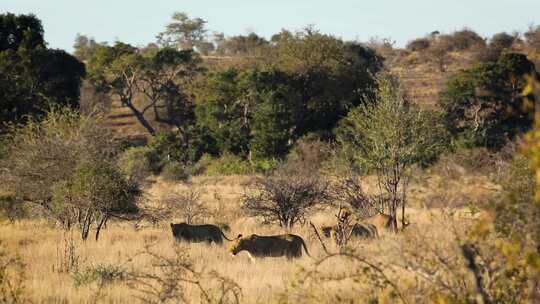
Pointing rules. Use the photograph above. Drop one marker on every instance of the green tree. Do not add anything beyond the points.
(330, 76)
(94, 193)
(183, 33)
(485, 102)
(387, 137)
(33, 77)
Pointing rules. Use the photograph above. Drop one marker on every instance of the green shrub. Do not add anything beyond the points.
(264, 165)
(200, 166)
(101, 274)
(228, 164)
(135, 163)
(174, 171)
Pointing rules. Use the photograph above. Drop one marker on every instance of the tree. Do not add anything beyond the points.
(84, 47)
(330, 76)
(33, 77)
(20, 31)
(387, 137)
(157, 74)
(241, 45)
(285, 197)
(182, 32)
(485, 102)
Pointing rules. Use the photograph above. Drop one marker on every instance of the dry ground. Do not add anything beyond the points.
(42, 246)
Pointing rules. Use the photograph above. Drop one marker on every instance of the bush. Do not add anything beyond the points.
(465, 39)
(419, 44)
(201, 165)
(135, 163)
(516, 212)
(12, 276)
(285, 197)
(228, 164)
(502, 41)
(174, 171)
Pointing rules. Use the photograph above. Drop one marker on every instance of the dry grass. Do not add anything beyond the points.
(41, 246)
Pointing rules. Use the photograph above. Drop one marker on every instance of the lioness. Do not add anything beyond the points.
(358, 230)
(385, 222)
(198, 233)
(288, 245)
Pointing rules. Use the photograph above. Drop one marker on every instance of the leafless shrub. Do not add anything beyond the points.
(367, 280)
(285, 197)
(347, 191)
(68, 257)
(12, 277)
(186, 205)
(170, 278)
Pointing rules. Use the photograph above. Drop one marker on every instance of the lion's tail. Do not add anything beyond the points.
(223, 234)
(305, 247)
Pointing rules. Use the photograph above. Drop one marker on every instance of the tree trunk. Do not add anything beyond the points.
(100, 225)
(140, 117)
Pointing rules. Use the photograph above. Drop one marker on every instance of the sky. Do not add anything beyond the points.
(138, 21)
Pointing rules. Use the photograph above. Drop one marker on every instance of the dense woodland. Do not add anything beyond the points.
(311, 118)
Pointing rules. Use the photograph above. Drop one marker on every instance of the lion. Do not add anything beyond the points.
(358, 230)
(385, 222)
(257, 246)
(198, 233)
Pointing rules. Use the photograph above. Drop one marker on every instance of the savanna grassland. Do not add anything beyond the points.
(412, 174)
(53, 257)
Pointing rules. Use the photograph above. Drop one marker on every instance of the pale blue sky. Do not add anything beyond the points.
(138, 21)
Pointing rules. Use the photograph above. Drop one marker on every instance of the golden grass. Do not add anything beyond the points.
(41, 247)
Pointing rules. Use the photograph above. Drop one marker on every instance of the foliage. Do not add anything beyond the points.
(182, 32)
(465, 39)
(312, 81)
(126, 72)
(486, 101)
(388, 137)
(285, 197)
(515, 209)
(84, 47)
(174, 171)
(241, 45)
(65, 164)
(502, 41)
(92, 194)
(135, 163)
(33, 77)
(228, 164)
